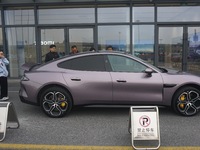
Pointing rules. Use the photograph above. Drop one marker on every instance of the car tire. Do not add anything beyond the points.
(186, 101)
(55, 102)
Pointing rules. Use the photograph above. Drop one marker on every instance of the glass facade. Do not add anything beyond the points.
(116, 36)
(143, 42)
(171, 47)
(143, 14)
(52, 36)
(193, 53)
(1, 40)
(164, 34)
(0, 19)
(21, 48)
(66, 16)
(181, 13)
(19, 16)
(119, 14)
(82, 38)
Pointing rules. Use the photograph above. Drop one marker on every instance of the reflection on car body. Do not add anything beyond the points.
(106, 78)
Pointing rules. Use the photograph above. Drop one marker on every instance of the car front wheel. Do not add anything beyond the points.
(187, 101)
(55, 102)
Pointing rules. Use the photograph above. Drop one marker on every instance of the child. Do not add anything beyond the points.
(3, 77)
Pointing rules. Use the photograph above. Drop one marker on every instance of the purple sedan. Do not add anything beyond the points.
(95, 78)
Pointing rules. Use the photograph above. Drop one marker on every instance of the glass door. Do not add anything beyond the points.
(83, 38)
(179, 48)
(193, 54)
(170, 47)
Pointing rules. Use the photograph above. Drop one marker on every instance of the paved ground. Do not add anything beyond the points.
(92, 129)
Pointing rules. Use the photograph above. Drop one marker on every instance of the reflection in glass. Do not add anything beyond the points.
(42, 1)
(19, 17)
(119, 14)
(170, 47)
(0, 19)
(1, 39)
(52, 36)
(82, 38)
(143, 14)
(124, 64)
(112, 0)
(193, 64)
(116, 36)
(21, 48)
(182, 13)
(14, 1)
(143, 42)
(69, 15)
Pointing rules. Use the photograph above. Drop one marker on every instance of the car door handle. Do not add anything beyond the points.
(119, 80)
(75, 79)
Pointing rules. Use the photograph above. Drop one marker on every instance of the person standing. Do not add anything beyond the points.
(3, 77)
(74, 50)
(109, 48)
(52, 54)
(92, 49)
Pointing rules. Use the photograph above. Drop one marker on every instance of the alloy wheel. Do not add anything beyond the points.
(55, 103)
(188, 102)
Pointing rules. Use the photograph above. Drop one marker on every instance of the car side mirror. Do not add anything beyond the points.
(149, 72)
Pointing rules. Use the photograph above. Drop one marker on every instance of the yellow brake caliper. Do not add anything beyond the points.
(182, 98)
(63, 104)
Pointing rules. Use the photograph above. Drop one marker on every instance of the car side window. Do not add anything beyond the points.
(125, 64)
(85, 63)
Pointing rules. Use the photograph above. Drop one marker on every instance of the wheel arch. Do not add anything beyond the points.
(183, 86)
(53, 85)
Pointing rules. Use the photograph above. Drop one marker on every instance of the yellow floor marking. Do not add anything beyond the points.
(63, 147)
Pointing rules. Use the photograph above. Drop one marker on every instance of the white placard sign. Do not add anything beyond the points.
(3, 118)
(8, 118)
(145, 126)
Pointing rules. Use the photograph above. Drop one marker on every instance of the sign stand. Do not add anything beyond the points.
(144, 127)
(8, 118)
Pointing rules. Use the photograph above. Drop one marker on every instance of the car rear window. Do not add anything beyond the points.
(85, 63)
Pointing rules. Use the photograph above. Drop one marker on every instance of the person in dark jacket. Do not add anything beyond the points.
(52, 54)
(109, 48)
(74, 50)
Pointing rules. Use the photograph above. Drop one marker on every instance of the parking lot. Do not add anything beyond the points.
(92, 127)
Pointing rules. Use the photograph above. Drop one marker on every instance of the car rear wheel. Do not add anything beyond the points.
(56, 102)
(187, 101)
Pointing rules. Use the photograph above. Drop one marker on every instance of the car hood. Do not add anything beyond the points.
(171, 71)
(180, 77)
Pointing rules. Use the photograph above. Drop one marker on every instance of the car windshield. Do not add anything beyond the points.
(161, 69)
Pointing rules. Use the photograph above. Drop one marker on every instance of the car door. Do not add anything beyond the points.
(131, 84)
(88, 80)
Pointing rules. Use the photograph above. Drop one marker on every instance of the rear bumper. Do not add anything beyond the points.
(28, 93)
(27, 102)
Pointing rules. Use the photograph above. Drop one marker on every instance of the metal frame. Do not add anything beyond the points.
(143, 109)
(9, 116)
